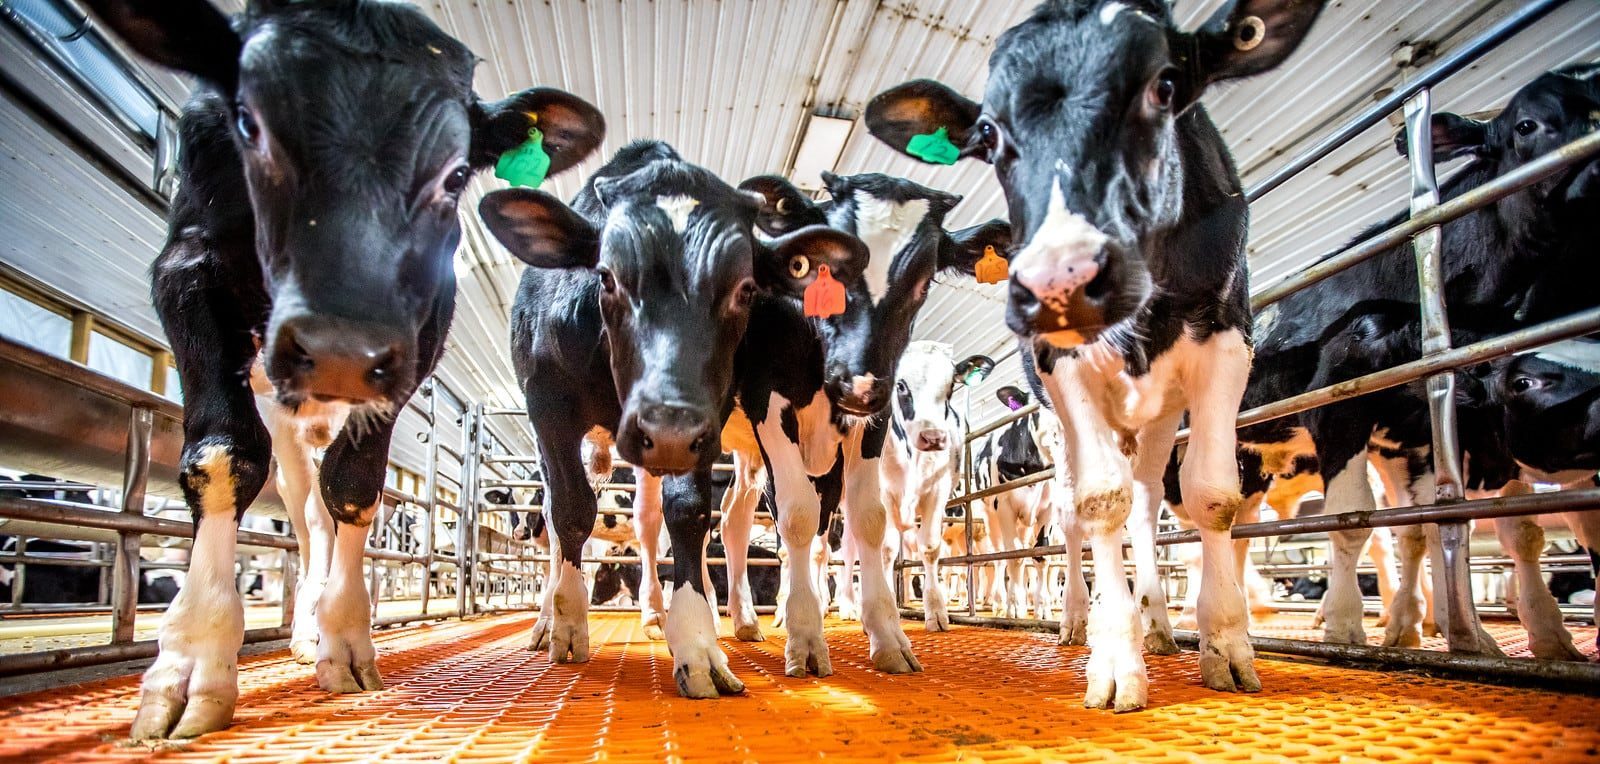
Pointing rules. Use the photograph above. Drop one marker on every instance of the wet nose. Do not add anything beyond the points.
(668, 437)
(932, 440)
(336, 359)
(862, 394)
(1022, 308)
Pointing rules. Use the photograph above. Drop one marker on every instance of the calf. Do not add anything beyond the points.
(813, 388)
(625, 330)
(322, 158)
(1130, 285)
(1506, 264)
(1016, 518)
(922, 461)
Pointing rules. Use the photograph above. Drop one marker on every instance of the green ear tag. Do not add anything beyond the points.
(934, 147)
(525, 165)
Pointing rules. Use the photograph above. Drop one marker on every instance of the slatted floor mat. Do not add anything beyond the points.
(1508, 634)
(471, 692)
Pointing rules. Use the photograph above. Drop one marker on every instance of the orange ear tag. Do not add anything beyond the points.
(991, 268)
(825, 296)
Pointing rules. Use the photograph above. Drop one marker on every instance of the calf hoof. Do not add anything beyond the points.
(896, 660)
(1383, 619)
(653, 627)
(1431, 629)
(304, 650)
(1400, 636)
(186, 696)
(347, 663)
(1555, 649)
(569, 642)
(806, 654)
(1187, 620)
(748, 632)
(1344, 634)
(540, 640)
(937, 619)
(706, 681)
(1158, 642)
(1118, 683)
(1074, 631)
(848, 611)
(1228, 666)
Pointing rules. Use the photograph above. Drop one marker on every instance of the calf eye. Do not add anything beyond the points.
(799, 266)
(1163, 90)
(248, 129)
(1526, 127)
(456, 181)
(1524, 384)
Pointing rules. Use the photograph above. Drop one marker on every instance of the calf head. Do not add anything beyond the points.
(1554, 109)
(901, 224)
(1550, 399)
(357, 130)
(922, 388)
(677, 267)
(1081, 119)
(1023, 444)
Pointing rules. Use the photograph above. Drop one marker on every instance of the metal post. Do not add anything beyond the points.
(1462, 627)
(430, 489)
(471, 450)
(125, 563)
(966, 512)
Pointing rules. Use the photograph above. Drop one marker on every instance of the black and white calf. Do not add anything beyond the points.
(921, 463)
(1129, 281)
(813, 389)
(1516, 261)
(322, 157)
(626, 329)
(1016, 519)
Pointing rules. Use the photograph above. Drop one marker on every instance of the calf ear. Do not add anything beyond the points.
(962, 249)
(1246, 37)
(1453, 136)
(1012, 397)
(923, 107)
(187, 35)
(572, 127)
(788, 264)
(783, 208)
(539, 229)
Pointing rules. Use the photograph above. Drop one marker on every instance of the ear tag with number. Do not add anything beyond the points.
(825, 296)
(991, 268)
(525, 165)
(934, 147)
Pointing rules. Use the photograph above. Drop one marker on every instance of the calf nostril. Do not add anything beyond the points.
(646, 443)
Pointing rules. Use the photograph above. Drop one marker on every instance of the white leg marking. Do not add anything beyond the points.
(698, 664)
(864, 521)
(647, 521)
(346, 659)
(798, 509)
(1523, 541)
(1341, 606)
(194, 683)
(738, 515)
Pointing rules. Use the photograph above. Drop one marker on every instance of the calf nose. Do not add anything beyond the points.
(862, 394)
(668, 437)
(932, 440)
(1022, 309)
(336, 359)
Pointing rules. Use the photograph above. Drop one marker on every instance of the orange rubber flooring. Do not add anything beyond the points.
(471, 692)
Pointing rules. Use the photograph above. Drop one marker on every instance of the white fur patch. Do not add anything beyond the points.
(690, 623)
(886, 228)
(1109, 11)
(1060, 258)
(677, 208)
(862, 385)
(1573, 354)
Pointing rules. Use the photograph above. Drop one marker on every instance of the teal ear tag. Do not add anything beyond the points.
(934, 147)
(525, 165)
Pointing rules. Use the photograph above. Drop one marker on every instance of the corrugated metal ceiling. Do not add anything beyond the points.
(732, 83)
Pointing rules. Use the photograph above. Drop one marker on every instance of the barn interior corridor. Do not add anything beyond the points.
(472, 692)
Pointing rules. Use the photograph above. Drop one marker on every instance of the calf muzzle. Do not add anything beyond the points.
(335, 359)
(666, 437)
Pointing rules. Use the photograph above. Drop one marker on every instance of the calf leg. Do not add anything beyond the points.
(647, 528)
(1075, 602)
(1586, 526)
(1405, 611)
(1209, 479)
(192, 686)
(563, 625)
(798, 506)
(313, 526)
(738, 515)
(1523, 540)
(699, 666)
(1348, 491)
(930, 539)
(1149, 467)
(1381, 551)
(864, 521)
(850, 554)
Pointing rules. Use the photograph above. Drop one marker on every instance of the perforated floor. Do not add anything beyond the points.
(472, 692)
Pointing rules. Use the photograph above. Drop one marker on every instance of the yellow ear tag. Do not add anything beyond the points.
(991, 268)
(825, 296)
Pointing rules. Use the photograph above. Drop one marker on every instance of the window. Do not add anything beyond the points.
(29, 323)
(115, 358)
(65, 35)
(174, 389)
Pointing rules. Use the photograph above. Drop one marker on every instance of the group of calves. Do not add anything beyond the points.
(675, 316)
